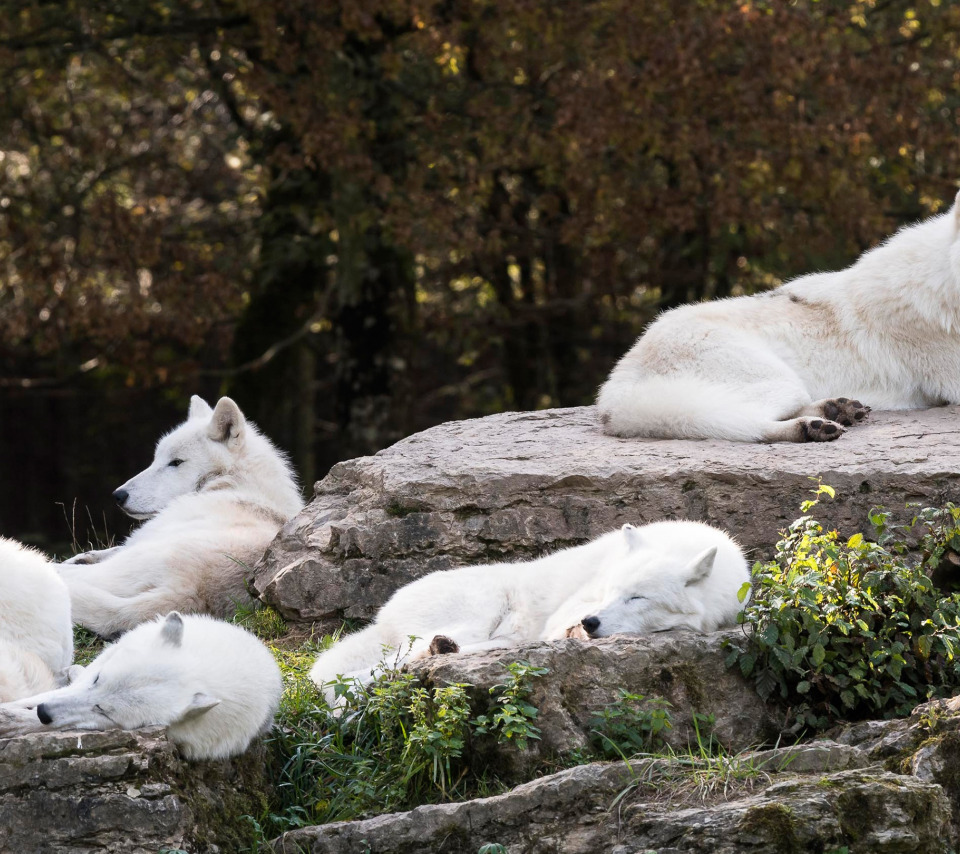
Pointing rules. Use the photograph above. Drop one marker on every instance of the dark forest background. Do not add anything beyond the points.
(361, 219)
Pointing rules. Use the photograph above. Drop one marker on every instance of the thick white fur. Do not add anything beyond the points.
(213, 685)
(661, 576)
(885, 331)
(208, 519)
(36, 634)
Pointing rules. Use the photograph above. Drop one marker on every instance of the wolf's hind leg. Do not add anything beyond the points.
(842, 410)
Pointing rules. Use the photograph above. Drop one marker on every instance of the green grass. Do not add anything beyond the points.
(86, 646)
(700, 773)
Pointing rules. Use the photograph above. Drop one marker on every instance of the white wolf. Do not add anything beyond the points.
(213, 685)
(36, 634)
(770, 367)
(213, 499)
(661, 576)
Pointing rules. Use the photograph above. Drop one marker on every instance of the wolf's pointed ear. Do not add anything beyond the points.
(172, 631)
(199, 704)
(199, 408)
(701, 567)
(956, 213)
(633, 537)
(227, 424)
(73, 673)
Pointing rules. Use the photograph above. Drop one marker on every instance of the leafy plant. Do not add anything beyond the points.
(629, 725)
(512, 717)
(391, 744)
(439, 727)
(851, 627)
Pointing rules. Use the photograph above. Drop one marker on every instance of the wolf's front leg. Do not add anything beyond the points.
(20, 716)
(18, 722)
(106, 614)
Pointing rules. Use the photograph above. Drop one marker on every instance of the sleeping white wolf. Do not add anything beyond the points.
(213, 499)
(36, 635)
(793, 364)
(661, 576)
(214, 686)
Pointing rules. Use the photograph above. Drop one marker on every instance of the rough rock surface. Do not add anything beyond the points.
(122, 792)
(515, 485)
(866, 810)
(685, 668)
(881, 787)
(927, 745)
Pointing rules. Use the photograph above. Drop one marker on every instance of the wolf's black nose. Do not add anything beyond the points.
(43, 714)
(121, 496)
(590, 624)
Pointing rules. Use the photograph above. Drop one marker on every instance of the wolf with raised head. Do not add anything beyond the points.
(661, 576)
(794, 364)
(36, 634)
(213, 685)
(213, 499)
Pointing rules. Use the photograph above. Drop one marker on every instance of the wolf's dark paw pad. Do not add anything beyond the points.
(845, 411)
(819, 430)
(441, 645)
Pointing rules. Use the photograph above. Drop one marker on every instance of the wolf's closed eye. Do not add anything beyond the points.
(635, 598)
(175, 463)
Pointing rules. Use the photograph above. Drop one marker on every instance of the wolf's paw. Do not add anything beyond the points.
(819, 430)
(577, 632)
(845, 411)
(442, 645)
(84, 558)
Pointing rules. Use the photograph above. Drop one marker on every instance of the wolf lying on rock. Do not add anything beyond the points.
(213, 685)
(793, 364)
(213, 499)
(661, 576)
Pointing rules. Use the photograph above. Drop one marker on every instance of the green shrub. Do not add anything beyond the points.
(851, 627)
(629, 725)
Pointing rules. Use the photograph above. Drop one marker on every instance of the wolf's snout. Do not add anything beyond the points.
(121, 496)
(590, 624)
(43, 714)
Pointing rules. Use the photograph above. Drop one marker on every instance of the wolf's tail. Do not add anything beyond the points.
(685, 407)
(354, 656)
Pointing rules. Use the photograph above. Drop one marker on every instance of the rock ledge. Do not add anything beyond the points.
(515, 485)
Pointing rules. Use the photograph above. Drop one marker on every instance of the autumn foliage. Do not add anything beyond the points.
(363, 218)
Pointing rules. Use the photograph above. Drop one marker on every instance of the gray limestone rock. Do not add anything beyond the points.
(122, 793)
(519, 484)
(613, 808)
(685, 668)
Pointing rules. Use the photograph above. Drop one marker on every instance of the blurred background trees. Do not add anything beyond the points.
(360, 219)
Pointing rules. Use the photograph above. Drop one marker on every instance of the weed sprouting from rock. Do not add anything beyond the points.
(512, 716)
(630, 724)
